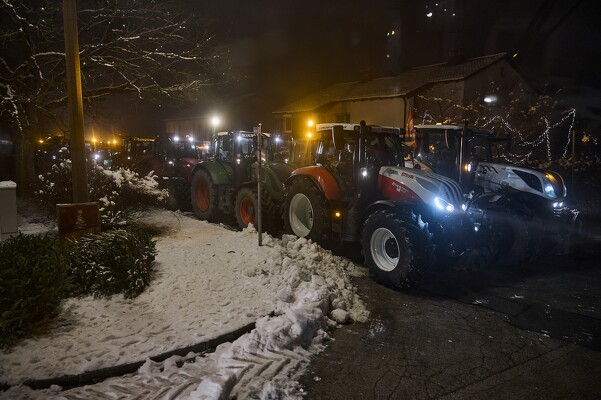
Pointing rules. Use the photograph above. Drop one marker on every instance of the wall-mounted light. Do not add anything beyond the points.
(490, 99)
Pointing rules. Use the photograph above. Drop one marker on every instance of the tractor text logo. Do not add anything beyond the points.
(399, 187)
(406, 175)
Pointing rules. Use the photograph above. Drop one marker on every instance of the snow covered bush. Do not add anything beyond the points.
(116, 261)
(33, 281)
(118, 192)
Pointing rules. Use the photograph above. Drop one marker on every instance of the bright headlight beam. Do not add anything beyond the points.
(443, 205)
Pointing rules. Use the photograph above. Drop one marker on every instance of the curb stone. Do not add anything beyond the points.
(91, 377)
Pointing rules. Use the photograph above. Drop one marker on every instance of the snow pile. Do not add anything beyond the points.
(314, 293)
(8, 184)
(211, 281)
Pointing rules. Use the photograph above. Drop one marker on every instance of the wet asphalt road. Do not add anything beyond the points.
(527, 333)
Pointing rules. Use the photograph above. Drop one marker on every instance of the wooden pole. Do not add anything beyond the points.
(77, 150)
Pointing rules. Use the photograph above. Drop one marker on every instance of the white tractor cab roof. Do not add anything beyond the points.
(246, 134)
(452, 128)
(356, 127)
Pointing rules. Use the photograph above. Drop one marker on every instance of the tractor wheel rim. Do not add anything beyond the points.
(201, 195)
(384, 249)
(300, 215)
(247, 211)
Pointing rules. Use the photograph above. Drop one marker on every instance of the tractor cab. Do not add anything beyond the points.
(354, 153)
(455, 151)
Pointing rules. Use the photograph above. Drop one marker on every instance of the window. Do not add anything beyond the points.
(287, 123)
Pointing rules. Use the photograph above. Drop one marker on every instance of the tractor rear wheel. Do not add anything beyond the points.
(397, 251)
(204, 196)
(304, 211)
(246, 207)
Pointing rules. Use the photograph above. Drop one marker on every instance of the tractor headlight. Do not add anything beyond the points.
(548, 188)
(443, 205)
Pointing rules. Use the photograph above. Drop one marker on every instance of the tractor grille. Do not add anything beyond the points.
(449, 189)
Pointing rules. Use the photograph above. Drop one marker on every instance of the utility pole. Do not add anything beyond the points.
(259, 178)
(78, 158)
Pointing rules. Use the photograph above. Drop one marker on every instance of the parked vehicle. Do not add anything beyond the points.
(409, 219)
(168, 156)
(226, 183)
(519, 212)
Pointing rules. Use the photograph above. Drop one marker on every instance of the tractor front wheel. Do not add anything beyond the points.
(246, 207)
(396, 250)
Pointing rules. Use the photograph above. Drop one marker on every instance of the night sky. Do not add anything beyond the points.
(282, 50)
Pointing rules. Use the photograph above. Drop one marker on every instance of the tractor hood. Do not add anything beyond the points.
(494, 177)
(440, 192)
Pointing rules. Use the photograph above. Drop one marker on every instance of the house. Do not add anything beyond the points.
(429, 90)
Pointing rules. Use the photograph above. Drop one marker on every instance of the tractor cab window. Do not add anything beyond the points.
(478, 149)
(224, 147)
(340, 159)
(139, 149)
(383, 150)
(437, 149)
(183, 149)
(244, 146)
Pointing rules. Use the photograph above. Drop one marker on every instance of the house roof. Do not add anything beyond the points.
(393, 86)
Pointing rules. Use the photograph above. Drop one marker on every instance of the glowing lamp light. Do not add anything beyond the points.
(176, 138)
(443, 205)
(310, 123)
(337, 214)
(429, 15)
(490, 99)
(309, 135)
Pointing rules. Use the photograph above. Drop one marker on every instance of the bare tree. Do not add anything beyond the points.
(151, 49)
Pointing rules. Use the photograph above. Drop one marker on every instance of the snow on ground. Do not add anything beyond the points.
(210, 281)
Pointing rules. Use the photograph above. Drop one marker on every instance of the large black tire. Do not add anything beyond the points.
(508, 240)
(246, 207)
(204, 196)
(182, 194)
(397, 251)
(305, 211)
(271, 213)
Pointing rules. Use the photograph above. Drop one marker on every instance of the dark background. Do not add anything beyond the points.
(282, 50)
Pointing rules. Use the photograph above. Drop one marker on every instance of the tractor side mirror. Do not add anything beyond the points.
(338, 137)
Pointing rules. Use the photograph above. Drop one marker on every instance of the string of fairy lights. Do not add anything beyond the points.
(543, 139)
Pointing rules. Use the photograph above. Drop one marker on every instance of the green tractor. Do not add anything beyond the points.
(225, 185)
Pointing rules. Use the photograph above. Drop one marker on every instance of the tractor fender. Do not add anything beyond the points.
(218, 171)
(322, 178)
(186, 168)
(274, 177)
(397, 205)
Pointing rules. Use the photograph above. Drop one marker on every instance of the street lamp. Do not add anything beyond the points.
(215, 121)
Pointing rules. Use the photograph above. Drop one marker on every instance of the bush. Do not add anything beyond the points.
(37, 272)
(118, 261)
(33, 281)
(119, 192)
